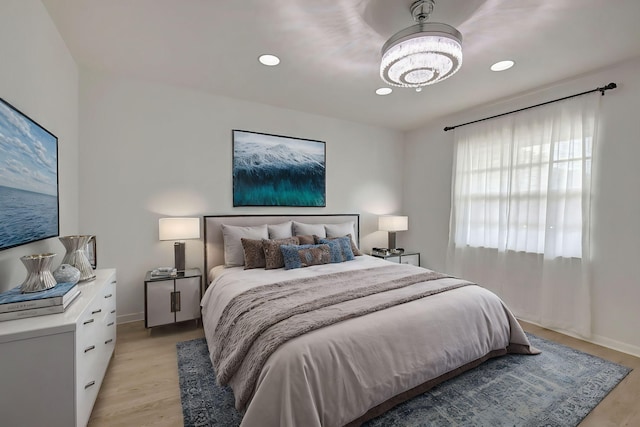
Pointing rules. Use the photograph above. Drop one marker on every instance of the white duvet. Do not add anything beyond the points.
(334, 375)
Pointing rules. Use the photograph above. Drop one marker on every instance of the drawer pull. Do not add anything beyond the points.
(110, 324)
(89, 384)
(110, 340)
(96, 311)
(108, 296)
(86, 322)
(114, 282)
(88, 349)
(113, 311)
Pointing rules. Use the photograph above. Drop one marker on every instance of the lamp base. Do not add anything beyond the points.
(392, 240)
(178, 249)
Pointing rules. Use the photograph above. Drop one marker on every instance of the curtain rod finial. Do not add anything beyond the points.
(607, 87)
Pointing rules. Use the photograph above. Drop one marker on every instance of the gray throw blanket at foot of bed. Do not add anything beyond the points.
(255, 323)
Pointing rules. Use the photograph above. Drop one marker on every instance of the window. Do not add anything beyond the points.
(522, 181)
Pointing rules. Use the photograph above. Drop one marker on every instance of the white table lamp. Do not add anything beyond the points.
(179, 229)
(393, 223)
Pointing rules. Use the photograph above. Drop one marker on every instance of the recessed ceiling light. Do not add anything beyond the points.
(502, 65)
(384, 91)
(269, 60)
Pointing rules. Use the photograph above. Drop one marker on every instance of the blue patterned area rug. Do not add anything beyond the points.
(556, 388)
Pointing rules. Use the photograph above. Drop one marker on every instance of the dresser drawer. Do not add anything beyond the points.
(109, 296)
(89, 329)
(87, 367)
(108, 336)
(87, 388)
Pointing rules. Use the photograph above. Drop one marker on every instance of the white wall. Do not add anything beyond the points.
(40, 78)
(150, 151)
(616, 204)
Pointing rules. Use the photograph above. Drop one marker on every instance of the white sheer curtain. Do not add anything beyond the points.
(520, 215)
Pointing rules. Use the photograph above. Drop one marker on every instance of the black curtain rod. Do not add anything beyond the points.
(598, 89)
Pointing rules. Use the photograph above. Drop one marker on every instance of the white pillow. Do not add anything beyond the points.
(342, 229)
(233, 253)
(302, 229)
(280, 231)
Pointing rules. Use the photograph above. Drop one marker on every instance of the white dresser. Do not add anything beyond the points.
(51, 367)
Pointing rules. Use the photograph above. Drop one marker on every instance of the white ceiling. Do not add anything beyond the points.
(330, 49)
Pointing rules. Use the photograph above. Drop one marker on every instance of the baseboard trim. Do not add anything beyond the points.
(616, 345)
(597, 339)
(128, 318)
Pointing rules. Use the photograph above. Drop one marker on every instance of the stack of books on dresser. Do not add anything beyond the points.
(16, 305)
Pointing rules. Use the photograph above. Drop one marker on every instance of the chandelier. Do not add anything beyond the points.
(422, 54)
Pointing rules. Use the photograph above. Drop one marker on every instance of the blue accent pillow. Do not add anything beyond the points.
(340, 248)
(299, 256)
(334, 251)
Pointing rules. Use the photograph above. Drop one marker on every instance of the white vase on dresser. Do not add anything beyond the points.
(51, 367)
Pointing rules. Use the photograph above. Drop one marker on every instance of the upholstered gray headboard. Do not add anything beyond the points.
(213, 243)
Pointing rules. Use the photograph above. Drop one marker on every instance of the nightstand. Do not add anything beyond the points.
(172, 299)
(412, 258)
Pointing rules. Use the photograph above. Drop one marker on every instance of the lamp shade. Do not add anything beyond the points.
(393, 223)
(179, 228)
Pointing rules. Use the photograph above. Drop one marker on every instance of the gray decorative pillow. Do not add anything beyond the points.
(280, 231)
(233, 253)
(308, 229)
(272, 254)
(253, 253)
(306, 239)
(299, 256)
(341, 229)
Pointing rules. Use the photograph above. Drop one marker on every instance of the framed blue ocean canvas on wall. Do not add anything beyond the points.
(28, 179)
(272, 170)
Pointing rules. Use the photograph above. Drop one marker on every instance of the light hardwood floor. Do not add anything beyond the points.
(141, 385)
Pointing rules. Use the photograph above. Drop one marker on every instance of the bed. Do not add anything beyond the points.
(338, 343)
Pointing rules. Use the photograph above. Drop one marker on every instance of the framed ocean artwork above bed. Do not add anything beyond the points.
(273, 170)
